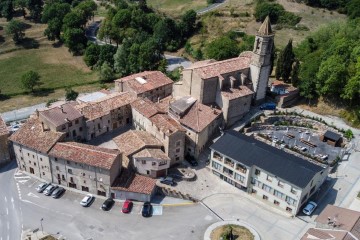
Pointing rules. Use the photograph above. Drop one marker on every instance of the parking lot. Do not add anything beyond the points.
(293, 136)
(69, 219)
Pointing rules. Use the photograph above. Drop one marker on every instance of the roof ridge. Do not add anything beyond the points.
(79, 147)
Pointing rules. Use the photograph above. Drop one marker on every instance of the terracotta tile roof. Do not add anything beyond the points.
(166, 124)
(32, 136)
(145, 107)
(157, 154)
(132, 182)
(326, 234)
(201, 63)
(58, 115)
(346, 219)
(164, 104)
(150, 81)
(103, 106)
(233, 93)
(87, 154)
(3, 128)
(132, 141)
(221, 67)
(199, 116)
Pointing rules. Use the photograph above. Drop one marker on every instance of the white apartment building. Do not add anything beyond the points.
(272, 175)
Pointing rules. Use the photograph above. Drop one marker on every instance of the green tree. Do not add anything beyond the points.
(7, 9)
(222, 48)
(30, 80)
(53, 15)
(106, 54)
(295, 73)
(70, 94)
(35, 7)
(349, 134)
(16, 29)
(73, 19)
(91, 56)
(106, 73)
(273, 10)
(188, 21)
(86, 9)
(22, 5)
(53, 31)
(285, 62)
(75, 40)
(353, 9)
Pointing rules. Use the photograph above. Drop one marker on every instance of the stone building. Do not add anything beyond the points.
(143, 152)
(231, 84)
(4, 144)
(106, 114)
(267, 173)
(153, 118)
(31, 145)
(64, 118)
(84, 167)
(201, 122)
(153, 85)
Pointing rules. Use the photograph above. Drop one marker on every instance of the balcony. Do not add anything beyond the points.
(217, 157)
(229, 163)
(241, 169)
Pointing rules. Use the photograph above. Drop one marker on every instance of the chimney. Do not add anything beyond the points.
(158, 100)
(62, 109)
(42, 127)
(67, 120)
(37, 112)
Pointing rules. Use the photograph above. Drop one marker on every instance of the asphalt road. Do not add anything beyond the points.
(10, 206)
(65, 217)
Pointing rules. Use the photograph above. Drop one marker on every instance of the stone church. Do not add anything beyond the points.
(233, 84)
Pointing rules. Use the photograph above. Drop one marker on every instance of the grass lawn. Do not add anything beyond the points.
(57, 67)
(176, 8)
(239, 232)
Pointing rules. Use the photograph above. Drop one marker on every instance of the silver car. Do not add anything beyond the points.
(87, 200)
(309, 208)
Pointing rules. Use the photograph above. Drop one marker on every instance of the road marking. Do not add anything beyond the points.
(24, 177)
(7, 211)
(27, 201)
(12, 201)
(32, 195)
(23, 181)
(8, 225)
(8, 237)
(5, 199)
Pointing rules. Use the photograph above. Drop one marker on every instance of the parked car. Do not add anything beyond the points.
(168, 181)
(146, 209)
(58, 192)
(42, 187)
(309, 208)
(87, 200)
(107, 205)
(191, 160)
(268, 106)
(49, 190)
(127, 206)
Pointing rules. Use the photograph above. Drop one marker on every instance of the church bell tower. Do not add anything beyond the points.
(260, 64)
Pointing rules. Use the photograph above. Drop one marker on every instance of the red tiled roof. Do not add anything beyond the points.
(87, 154)
(145, 107)
(199, 116)
(326, 234)
(132, 182)
(3, 128)
(166, 124)
(134, 140)
(31, 135)
(58, 115)
(154, 79)
(233, 93)
(221, 67)
(155, 153)
(103, 106)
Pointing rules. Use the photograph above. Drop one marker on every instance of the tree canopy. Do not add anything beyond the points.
(30, 80)
(16, 29)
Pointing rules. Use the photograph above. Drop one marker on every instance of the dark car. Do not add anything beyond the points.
(58, 192)
(191, 160)
(127, 206)
(168, 181)
(146, 210)
(268, 106)
(107, 205)
(42, 187)
(49, 190)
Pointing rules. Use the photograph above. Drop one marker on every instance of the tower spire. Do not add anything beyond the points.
(265, 29)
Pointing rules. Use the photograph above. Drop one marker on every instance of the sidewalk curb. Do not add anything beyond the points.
(177, 204)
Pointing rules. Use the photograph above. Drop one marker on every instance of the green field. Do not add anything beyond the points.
(53, 75)
(176, 7)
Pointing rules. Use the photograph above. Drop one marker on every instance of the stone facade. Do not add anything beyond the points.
(4, 143)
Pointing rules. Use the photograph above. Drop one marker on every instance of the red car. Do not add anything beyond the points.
(127, 206)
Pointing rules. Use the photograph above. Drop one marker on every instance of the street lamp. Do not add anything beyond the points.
(41, 220)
